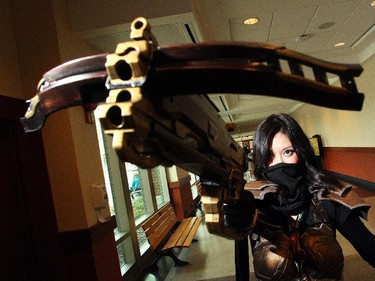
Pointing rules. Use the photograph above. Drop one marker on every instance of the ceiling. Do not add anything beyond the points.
(311, 27)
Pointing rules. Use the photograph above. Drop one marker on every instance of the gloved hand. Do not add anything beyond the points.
(239, 216)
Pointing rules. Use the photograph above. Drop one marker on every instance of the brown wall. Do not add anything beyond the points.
(352, 161)
(46, 197)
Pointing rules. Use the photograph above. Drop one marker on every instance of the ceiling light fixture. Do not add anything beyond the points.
(339, 44)
(326, 25)
(373, 3)
(251, 21)
(303, 38)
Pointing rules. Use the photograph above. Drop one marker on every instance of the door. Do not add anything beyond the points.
(28, 232)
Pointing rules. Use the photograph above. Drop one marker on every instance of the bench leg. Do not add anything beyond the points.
(177, 261)
(154, 266)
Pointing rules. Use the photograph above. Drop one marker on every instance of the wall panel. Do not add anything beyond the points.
(358, 162)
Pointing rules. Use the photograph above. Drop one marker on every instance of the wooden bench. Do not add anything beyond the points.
(164, 233)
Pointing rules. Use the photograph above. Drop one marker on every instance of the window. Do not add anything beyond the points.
(194, 189)
(134, 194)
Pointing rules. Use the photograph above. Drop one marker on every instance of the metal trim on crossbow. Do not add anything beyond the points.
(244, 68)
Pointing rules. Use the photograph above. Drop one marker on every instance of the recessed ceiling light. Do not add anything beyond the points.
(326, 25)
(251, 21)
(373, 3)
(339, 44)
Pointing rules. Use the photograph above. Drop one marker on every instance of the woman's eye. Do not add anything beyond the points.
(289, 152)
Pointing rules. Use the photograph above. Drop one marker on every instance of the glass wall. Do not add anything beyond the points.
(134, 194)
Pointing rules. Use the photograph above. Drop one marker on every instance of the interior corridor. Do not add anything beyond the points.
(212, 257)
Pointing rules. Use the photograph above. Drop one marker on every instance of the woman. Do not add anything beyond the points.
(298, 209)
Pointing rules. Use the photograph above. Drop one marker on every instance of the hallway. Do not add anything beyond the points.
(212, 258)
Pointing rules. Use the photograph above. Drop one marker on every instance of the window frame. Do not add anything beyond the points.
(117, 186)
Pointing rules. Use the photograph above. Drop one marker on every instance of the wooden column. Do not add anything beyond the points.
(181, 198)
(90, 254)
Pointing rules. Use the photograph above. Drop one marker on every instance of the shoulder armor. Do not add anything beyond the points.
(347, 197)
(260, 188)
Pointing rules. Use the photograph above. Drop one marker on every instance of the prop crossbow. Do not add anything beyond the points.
(153, 101)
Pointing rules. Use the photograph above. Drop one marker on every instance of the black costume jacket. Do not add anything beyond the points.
(304, 247)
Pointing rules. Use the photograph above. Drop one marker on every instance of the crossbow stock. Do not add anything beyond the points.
(153, 101)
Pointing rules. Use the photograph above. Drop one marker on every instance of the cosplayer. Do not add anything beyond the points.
(295, 208)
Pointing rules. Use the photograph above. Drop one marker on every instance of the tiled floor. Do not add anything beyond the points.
(212, 258)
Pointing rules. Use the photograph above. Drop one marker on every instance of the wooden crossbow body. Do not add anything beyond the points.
(153, 101)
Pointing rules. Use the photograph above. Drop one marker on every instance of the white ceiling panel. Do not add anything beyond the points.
(311, 27)
(292, 23)
(336, 13)
(316, 42)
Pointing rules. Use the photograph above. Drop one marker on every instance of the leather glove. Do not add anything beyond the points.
(239, 215)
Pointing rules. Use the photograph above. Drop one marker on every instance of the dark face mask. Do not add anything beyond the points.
(292, 193)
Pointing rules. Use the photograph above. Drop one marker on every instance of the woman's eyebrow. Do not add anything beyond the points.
(289, 147)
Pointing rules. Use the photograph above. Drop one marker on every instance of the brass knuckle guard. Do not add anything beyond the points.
(127, 69)
(131, 58)
(125, 113)
(213, 205)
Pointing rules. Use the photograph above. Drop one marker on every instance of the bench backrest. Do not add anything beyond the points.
(159, 225)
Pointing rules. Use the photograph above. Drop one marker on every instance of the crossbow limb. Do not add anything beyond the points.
(153, 101)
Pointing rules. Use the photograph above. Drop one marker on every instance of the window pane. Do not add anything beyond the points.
(126, 256)
(121, 254)
(193, 181)
(142, 239)
(138, 187)
(160, 185)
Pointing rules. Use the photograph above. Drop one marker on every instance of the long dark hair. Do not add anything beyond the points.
(262, 142)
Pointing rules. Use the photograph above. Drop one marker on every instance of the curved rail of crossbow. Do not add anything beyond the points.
(133, 87)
